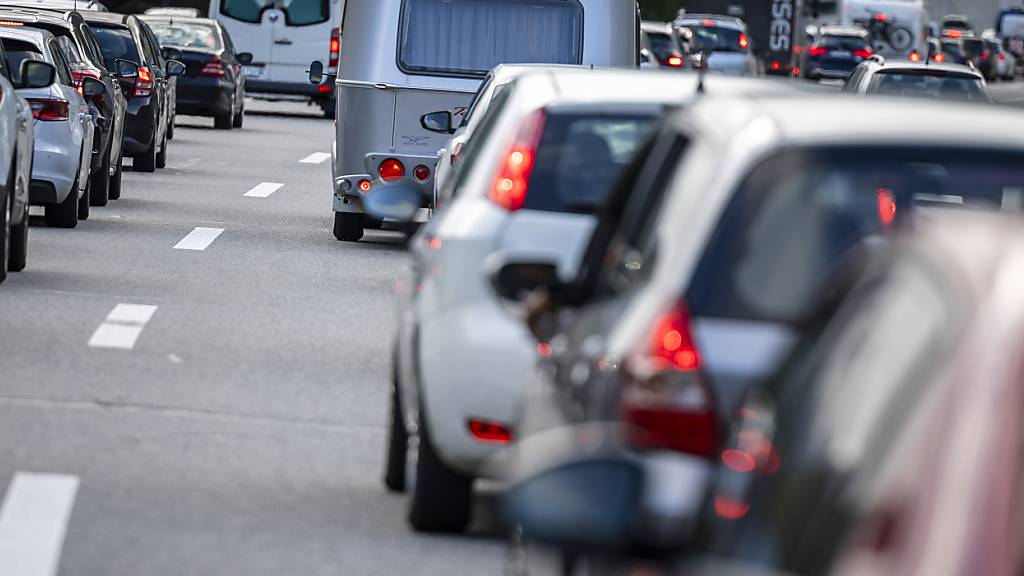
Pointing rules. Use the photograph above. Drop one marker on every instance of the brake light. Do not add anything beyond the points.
(743, 41)
(335, 48)
(510, 184)
(674, 61)
(709, 23)
(776, 66)
(818, 51)
(940, 58)
(665, 400)
(49, 110)
(391, 170)
(886, 207)
(421, 172)
(214, 67)
(11, 23)
(863, 53)
(365, 186)
(915, 56)
(1002, 57)
(490, 432)
(144, 82)
(985, 54)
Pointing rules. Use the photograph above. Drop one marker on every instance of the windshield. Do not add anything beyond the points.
(581, 156)
(718, 39)
(929, 85)
(472, 36)
(187, 35)
(799, 213)
(116, 43)
(296, 12)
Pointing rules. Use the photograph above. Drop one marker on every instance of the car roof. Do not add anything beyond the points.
(852, 31)
(836, 120)
(505, 73)
(939, 68)
(165, 19)
(108, 17)
(718, 19)
(651, 26)
(34, 16)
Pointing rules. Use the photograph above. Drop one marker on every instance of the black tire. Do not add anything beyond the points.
(65, 214)
(223, 121)
(239, 118)
(99, 183)
(441, 499)
(114, 190)
(398, 440)
(17, 256)
(348, 227)
(83, 202)
(170, 128)
(328, 107)
(146, 162)
(161, 156)
(5, 237)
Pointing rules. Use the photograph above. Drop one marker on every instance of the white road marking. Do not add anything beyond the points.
(198, 239)
(263, 189)
(122, 327)
(316, 158)
(33, 521)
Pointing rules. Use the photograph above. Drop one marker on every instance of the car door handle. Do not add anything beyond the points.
(283, 41)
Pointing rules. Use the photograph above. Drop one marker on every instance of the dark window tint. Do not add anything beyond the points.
(117, 43)
(928, 84)
(663, 45)
(847, 43)
(306, 12)
(71, 52)
(187, 35)
(799, 213)
(580, 157)
(473, 36)
(717, 39)
(973, 48)
(952, 47)
(61, 64)
(245, 10)
(18, 52)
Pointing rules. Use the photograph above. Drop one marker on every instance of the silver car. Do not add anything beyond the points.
(722, 40)
(64, 127)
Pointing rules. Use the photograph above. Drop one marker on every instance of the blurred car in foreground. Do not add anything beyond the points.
(706, 268)
(213, 83)
(16, 151)
(921, 79)
(722, 40)
(90, 5)
(835, 53)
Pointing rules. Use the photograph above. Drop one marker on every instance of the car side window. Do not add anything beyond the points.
(90, 46)
(854, 80)
(149, 52)
(228, 43)
(4, 69)
(154, 46)
(61, 64)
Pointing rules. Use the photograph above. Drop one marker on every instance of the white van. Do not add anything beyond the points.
(284, 36)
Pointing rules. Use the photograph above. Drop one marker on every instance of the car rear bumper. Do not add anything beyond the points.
(56, 162)
(204, 96)
(287, 88)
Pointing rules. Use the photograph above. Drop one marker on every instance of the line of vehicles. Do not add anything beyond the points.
(696, 323)
(83, 89)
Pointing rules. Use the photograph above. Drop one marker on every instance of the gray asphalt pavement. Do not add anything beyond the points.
(238, 428)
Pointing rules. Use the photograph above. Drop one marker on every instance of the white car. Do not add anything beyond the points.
(64, 127)
(16, 147)
(536, 169)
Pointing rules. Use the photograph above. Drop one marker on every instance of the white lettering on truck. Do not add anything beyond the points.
(782, 29)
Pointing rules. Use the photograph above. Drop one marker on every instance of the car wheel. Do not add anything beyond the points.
(161, 156)
(170, 127)
(146, 162)
(5, 237)
(65, 214)
(115, 180)
(441, 498)
(100, 183)
(17, 255)
(239, 118)
(224, 121)
(348, 227)
(83, 202)
(398, 439)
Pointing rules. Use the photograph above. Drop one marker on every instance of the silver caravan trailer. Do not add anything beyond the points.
(402, 59)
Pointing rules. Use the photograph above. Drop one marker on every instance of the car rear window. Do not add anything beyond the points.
(116, 43)
(18, 52)
(472, 36)
(580, 157)
(663, 45)
(718, 39)
(929, 84)
(847, 43)
(973, 47)
(296, 12)
(187, 35)
(798, 214)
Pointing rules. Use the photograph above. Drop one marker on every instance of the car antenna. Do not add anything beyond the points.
(931, 53)
(702, 70)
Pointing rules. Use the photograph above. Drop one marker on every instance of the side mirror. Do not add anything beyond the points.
(37, 74)
(397, 202)
(126, 70)
(316, 72)
(92, 88)
(244, 58)
(171, 53)
(514, 280)
(440, 122)
(175, 68)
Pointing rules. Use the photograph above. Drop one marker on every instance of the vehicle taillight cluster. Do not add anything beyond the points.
(214, 67)
(391, 170)
(513, 178)
(49, 110)
(818, 51)
(863, 53)
(674, 61)
(144, 82)
(665, 402)
(335, 48)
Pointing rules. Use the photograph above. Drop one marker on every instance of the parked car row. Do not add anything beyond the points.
(87, 88)
(689, 312)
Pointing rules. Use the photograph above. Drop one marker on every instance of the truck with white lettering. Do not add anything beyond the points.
(775, 27)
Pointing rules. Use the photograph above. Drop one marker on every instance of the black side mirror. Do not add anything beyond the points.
(440, 122)
(171, 53)
(92, 88)
(126, 70)
(244, 58)
(175, 68)
(316, 72)
(37, 74)
(397, 202)
(515, 280)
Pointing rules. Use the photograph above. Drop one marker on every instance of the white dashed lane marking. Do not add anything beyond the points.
(199, 239)
(33, 521)
(316, 158)
(263, 189)
(122, 327)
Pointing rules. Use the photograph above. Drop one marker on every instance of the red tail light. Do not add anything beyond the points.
(940, 58)
(818, 51)
(776, 66)
(674, 61)
(513, 178)
(1002, 57)
(391, 170)
(214, 67)
(915, 56)
(335, 46)
(490, 432)
(421, 172)
(47, 110)
(985, 54)
(665, 401)
(144, 82)
(744, 42)
(886, 208)
(863, 53)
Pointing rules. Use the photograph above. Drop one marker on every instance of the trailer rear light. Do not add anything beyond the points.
(144, 82)
(335, 48)
(421, 172)
(214, 67)
(490, 432)
(513, 179)
(391, 170)
(665, 401)
(364, 186)
(49, 110)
